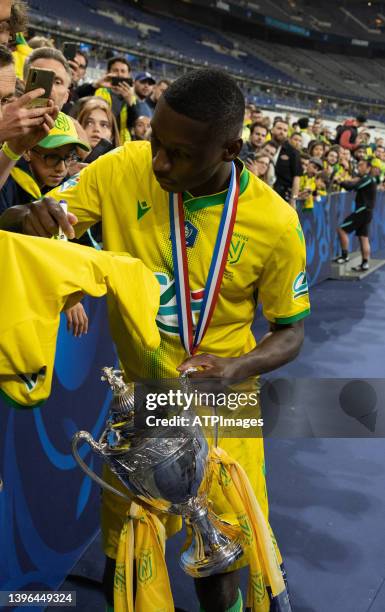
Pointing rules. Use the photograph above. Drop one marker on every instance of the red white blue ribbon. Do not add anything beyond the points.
(189, 340)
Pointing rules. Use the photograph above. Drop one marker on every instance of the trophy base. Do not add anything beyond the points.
(215, 545)
(216, 563)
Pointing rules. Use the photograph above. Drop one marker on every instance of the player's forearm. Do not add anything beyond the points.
(279, 346)
(12, 219)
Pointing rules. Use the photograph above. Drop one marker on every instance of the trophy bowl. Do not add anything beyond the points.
(169, 474)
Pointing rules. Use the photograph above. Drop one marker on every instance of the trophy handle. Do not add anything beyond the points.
(85, 436)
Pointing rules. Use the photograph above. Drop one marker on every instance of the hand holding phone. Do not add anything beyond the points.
(39, 78)
(117, 80)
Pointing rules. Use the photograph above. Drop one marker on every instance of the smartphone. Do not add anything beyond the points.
(39, 78)
(101, 148)
(116, 80)
(70, 50)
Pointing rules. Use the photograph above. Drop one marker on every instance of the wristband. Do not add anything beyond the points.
(9, 153)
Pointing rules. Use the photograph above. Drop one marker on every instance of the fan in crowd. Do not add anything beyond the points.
(98, 122)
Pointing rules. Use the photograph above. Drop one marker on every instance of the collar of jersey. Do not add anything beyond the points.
(193, 204)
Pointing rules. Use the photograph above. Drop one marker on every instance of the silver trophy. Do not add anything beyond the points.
(166, 473)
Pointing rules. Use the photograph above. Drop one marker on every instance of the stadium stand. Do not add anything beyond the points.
(308, 74)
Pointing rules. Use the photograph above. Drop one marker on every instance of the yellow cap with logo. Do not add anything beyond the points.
(63, 133)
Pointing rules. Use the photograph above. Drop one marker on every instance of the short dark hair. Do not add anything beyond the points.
(257, 124)
(211, 96)
(6, 57)
(361, 119)
(303, 123)
(118, 58)
(280, 120)
(47, 53)
(314, 143)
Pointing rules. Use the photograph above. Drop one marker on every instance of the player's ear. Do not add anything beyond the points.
(232, 149)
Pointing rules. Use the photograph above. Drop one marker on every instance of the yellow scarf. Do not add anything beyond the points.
(22, 51)
(143, 539)
(124, 132)
(26, 182)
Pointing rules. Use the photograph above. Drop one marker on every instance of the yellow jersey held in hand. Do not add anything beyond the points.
(44, 276)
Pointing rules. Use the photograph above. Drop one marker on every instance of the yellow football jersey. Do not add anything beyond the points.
(41, 278)
(266, 261)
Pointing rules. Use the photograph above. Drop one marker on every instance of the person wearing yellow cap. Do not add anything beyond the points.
(37, 171)
(44, 166)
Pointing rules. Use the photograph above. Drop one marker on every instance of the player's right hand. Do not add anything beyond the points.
(43, 218)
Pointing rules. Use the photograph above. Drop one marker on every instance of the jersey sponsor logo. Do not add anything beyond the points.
(143, 208)
(236, 249)
(167, 317)
(300, 286)
(191, 233)
(31, 380)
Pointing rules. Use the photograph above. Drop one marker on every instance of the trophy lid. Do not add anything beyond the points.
(115, 380)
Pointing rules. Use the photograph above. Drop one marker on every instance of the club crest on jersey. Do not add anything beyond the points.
(300, 286)
(191, 233)
(167, 317)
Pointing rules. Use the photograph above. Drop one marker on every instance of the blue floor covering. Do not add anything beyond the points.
(327, 496)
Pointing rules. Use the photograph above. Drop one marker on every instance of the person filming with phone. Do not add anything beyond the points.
(23, 121)
(116, 88)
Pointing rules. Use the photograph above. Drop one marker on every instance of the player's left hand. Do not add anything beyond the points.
(210, 366)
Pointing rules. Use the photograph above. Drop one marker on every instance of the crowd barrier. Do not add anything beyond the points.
(49, 510)
(320, 229)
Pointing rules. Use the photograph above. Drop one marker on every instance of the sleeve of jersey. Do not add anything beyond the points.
(82, 194)
(283, 288)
